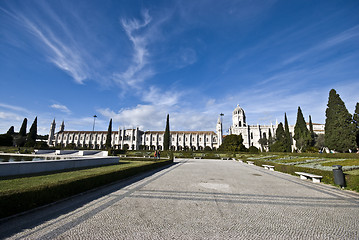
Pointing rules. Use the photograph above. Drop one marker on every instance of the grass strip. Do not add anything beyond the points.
(352, 181)
(24, 193)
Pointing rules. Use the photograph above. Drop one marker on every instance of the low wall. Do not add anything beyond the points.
(61, 152)
(19, 168)
(93, 152)
(36, 151)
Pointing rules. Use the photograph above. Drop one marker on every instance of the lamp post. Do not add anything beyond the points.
(94, 120)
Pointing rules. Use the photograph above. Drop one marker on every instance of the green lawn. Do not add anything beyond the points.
(24, 193)
(9, 186)
(345, 162)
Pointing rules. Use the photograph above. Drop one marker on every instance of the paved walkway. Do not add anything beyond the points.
(198, 199)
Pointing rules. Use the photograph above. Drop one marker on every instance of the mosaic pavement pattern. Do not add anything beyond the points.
(198, 199)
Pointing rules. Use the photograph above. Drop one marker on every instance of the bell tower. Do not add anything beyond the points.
(219, 130)
(239, 117)
(51, 133)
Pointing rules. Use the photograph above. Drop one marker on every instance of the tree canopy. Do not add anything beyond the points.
(356, 123)
(279, 145)
(233, 143)
(11, 131)
(167, 135)
(339, 126)
(301, 132)
(311, 131)
(32, 135)
(109, 135)
(22, 131)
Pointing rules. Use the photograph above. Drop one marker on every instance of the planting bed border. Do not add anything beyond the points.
(18, 202)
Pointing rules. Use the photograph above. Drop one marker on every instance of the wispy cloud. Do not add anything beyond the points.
(325, 44)
(136, 72)
(57, 40)
(64, 56)
(146, 117)
(12, 107)
(60, 107)
(161, 98)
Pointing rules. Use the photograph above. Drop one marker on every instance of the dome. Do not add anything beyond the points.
(238, 110)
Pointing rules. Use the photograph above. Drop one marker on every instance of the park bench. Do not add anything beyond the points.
(122, 155)
(250, 163)
(315, 178)
(197, 158)
(269, 167)
(225, 158)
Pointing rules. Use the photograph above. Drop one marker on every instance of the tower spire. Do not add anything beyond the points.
(51, 133)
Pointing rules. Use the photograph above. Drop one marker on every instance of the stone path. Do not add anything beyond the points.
(198, 199)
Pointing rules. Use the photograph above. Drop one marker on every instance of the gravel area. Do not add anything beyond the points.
(198, 199)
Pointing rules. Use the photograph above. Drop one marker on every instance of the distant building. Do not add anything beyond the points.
(135, 139)
(252, 133)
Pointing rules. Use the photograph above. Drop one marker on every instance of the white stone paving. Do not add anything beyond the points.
(198, 199)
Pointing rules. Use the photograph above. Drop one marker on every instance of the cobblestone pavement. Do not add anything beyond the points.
(198, 199)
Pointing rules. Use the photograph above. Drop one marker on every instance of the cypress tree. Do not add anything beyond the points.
(287, 141)
(311, 131)
(109, 135)
(301, 132)
(356, 123)
(339, 127)
(31, 137)
(279, 145)
(11, 131)
(270, 139)
(167, 135)
(22, 131)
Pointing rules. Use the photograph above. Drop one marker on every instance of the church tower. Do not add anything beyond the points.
(238, 117)
(51, 133)
(219, 130)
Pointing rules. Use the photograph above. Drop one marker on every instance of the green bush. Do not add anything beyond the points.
(352, 182)
(6, 140)
(327, 175)
(31, 197)
(41, 145)
(253, 149)
(312, 150)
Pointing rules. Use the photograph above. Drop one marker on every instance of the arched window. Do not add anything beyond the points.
(264, 135)
(251, 135)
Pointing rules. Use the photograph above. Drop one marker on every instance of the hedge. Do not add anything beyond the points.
(352, 181)
(24, 200)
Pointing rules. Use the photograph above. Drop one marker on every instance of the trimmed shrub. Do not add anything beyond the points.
(47, 194)
(253, 149)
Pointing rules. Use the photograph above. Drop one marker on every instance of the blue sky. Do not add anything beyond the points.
(136, 61)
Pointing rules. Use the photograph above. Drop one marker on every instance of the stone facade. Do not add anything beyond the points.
(135, 139)
(252, 133)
